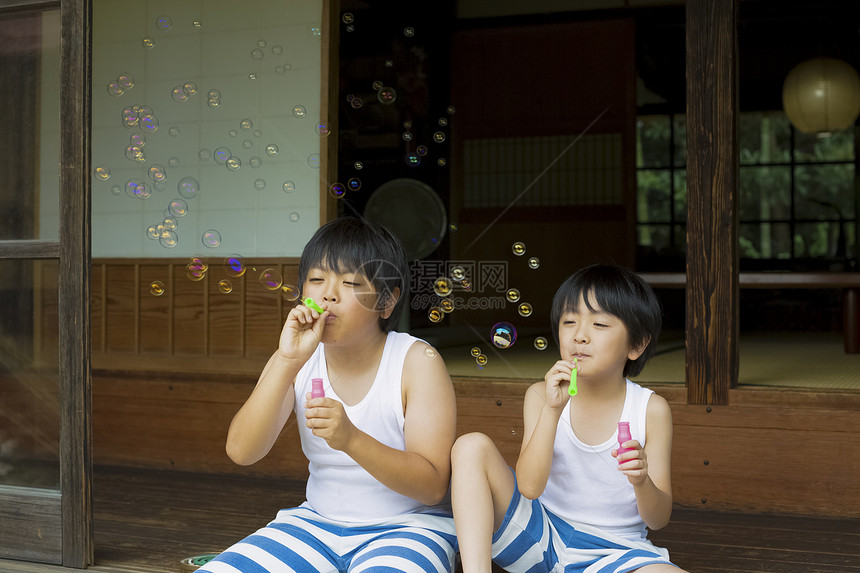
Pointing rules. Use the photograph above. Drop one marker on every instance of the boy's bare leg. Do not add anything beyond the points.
(481, 488)
(659, 569)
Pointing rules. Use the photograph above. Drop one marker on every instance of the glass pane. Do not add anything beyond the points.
(29, 390)
(765, 193)
(29, 148)
(653, 239)
(764, 240)
(824, 191)
(839, 146)
(652, 141)
(652, 194)
(679, 239)
(765, 137)
(680, 145)
(680, 194)
(825, 239)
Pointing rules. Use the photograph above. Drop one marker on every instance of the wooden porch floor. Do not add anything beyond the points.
(147, 521)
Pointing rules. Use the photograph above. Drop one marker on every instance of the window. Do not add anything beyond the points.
(797, 201)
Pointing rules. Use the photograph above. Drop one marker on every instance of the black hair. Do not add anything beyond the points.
(349, 244)
(620, 292)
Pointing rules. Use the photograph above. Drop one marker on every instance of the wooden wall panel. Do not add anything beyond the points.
(154, 334)
(190, 307)
(120, 308)
(226, 323)
(97, 306)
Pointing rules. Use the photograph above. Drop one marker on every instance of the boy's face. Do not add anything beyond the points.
(598, 340)
(352, 301)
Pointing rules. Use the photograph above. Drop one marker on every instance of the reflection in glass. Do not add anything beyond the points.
(29, 153)
(29, 408)
(652, 141)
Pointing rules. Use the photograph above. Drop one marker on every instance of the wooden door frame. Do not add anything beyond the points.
(74, 506)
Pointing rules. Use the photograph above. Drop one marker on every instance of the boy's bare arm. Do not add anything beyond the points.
(258, 423)
(535, 460)
(654, 488)
(423, 470)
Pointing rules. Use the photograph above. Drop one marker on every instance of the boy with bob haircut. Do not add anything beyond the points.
(378, 443)
(575, 503)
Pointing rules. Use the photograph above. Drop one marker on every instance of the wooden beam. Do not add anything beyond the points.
(74, 285)
(712, 183)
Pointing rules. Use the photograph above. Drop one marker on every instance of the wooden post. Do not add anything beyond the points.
(712, 187)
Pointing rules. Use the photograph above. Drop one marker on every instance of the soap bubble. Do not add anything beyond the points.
(475, 351)
(114, 89)
(178, 207)
(148, 122)
(436, 314)
(441, 162)
(443, 121)
(221, 155)
(294, 217)
(204, 154)
(541, 343)
(524, 309)
(272, 150)
(191, 88)
(125, 81)
(173, 162)
(289, 186)
(413, 159)
(102, 172)
(233, 133)
(196, 269)
(148, 42)
(503, 335)
(337, 190)
(255, 162)
(447, 305)
(421, 150)
(443, 286)
(170, 223)
(407, 136)
(386, 95)
(135, 153)
(116, 190)
(169, 240)
(277, 50)
(157, 173)
(261, 43)
(246, 124)
(211, 238)
(178, 94)
(356, 102)
(259, 184)
(257, 54)
(135, 188)
(348, 18)
(299, 111)
(323, 129)
(164, 23)
(518, 248)
(234, 266)
(409, 31)
(137, 139)
(512, 294)
(152, 232)
(466, 284)
(314, 160)
(156, 288)
(354, 184)
(481, 359)
(534, 263)
(233, 163)
(315, 31)
(290, 292)
(197, 24)
(271, 279)
(458, 273)
(225, 286)
(358, 165)
(439, 137)
(247, 144)
(174, 131)
(188, 187)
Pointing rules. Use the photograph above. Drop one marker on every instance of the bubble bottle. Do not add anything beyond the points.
(624, 436)
(317, 388)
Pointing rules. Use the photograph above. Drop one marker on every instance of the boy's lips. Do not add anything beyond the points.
(330, 317)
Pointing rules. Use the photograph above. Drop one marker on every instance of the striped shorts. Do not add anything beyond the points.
(533, 539)
(302, 541)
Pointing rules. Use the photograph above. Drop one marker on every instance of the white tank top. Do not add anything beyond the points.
(339, 488)
(585, 485)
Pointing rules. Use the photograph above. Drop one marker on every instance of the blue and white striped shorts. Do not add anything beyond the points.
(302, 541)
(533, 539)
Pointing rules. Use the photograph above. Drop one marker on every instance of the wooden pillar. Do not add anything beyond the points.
(712, 188)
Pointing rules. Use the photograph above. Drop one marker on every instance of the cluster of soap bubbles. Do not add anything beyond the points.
(120, 85)
(182, 93)
(234, 267)
(141, 117)
(258, 53)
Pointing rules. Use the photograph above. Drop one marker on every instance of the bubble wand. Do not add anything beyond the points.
(572, 388)
(310, 303)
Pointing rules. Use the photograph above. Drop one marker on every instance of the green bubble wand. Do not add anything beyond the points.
(311, 303)
(572, 388)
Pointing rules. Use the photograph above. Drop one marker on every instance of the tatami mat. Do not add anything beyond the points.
(807, 360)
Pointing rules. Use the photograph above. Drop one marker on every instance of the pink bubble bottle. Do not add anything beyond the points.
(624, 436)
(317, 388)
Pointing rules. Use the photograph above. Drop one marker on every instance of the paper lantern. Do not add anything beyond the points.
(821, 95)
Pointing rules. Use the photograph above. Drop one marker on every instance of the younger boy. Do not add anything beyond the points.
(575, 504)
(378, 442)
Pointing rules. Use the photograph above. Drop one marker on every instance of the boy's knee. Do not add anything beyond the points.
(469, 446)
